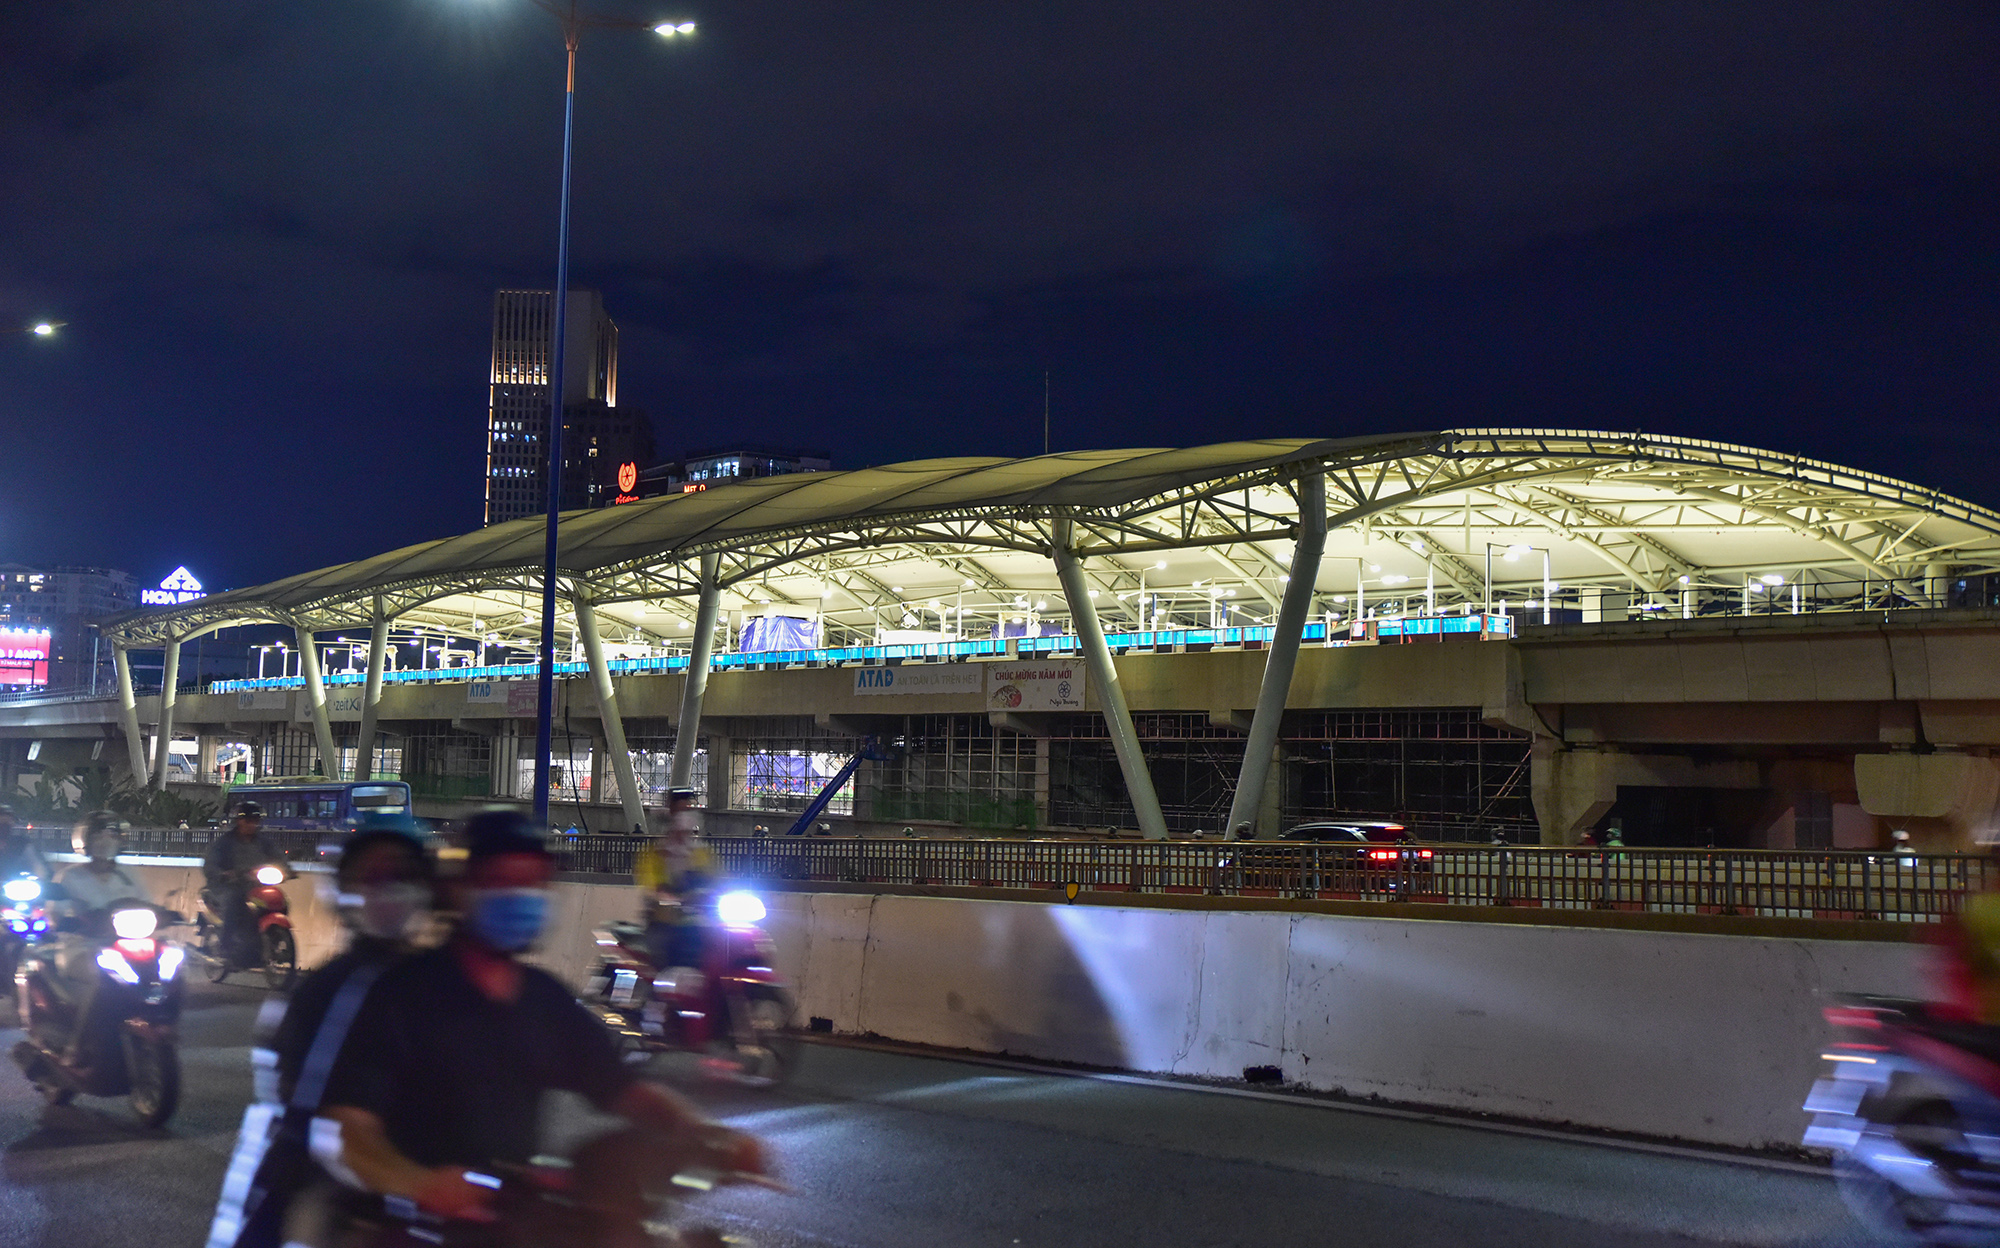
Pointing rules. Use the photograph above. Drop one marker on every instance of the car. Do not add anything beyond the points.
(1337, 856)
(1341, 830)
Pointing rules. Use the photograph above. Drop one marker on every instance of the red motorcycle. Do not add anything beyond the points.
(277, 951)
(738, 1013)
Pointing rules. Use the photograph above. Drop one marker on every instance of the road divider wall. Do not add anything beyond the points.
(1705, 1038)
(1710, 1039)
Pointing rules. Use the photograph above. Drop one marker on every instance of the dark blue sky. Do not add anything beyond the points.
(275, 231)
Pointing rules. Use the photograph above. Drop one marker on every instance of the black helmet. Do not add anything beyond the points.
(377, 833)
(491, 833)
(680, 795)
(93, 823)
(249, 810)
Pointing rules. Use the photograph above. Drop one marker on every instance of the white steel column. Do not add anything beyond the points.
(170, 676)
(1110, 694)
(1248, 803)
(128, 714)
(329, 753)
(371, 696)
(607, 715)
(688, 727)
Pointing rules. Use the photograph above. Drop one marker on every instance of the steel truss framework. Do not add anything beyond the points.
(1633, 514)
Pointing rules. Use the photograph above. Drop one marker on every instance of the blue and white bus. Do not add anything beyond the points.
(309, 804)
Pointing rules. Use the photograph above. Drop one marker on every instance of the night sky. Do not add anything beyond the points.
(275, 229)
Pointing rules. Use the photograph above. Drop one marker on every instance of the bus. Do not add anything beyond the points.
(312, 804)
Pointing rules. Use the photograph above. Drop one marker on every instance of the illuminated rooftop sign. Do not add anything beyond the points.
(628, 480)
(180, 586)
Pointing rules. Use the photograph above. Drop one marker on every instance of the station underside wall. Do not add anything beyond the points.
(1707, 734)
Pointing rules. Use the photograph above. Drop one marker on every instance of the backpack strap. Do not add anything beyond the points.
(332, 1033)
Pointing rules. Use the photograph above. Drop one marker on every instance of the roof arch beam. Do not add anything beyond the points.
(1778, 515)
(1540, 518)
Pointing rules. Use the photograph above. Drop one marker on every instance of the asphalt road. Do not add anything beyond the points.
(893, 1151)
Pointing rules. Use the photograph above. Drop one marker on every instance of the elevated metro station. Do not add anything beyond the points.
(1535, 633)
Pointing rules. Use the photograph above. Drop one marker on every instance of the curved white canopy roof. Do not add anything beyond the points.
(1649, 518)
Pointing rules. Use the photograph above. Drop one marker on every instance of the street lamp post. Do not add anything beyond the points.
(1511, 554)
(574, 22)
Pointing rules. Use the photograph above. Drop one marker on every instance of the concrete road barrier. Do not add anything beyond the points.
(1711, 1039)
(1703, 1038)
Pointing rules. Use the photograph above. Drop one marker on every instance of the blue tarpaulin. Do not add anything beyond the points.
(763, 633)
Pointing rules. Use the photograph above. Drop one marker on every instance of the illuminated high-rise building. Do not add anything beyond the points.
(597, 435)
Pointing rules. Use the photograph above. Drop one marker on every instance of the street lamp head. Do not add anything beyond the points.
(669, 30)
(43, 329)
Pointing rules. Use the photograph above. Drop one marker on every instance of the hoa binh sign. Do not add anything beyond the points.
(180, 586)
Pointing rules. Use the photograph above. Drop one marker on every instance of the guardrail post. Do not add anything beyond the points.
(1867, 911)
(1603, 880)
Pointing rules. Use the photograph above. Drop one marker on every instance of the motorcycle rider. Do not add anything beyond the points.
(671, 871)
(444, 1071)
(18, 854)
(228, 867)
(91, 886)
(90, 889)
(384, 891)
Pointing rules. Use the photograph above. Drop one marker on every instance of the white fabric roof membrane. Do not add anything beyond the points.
(1612, 484)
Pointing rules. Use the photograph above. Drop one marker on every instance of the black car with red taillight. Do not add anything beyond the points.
(1357, 858)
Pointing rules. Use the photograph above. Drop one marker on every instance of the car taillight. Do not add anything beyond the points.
(142, 949)
(1423, 853)
(1380, 854)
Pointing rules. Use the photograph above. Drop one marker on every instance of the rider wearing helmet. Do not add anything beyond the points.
(444, 1072)
(384, 891)
(92, 885)
(89, 890)
(228, 867)
(671, 873)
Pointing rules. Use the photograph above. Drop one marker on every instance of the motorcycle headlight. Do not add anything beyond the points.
(270, 875)
(22, 890)
(134, 924)
(739, 909)
(170, 961)
(113, 961)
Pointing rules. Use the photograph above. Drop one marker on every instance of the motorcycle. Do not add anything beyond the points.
(114, 1033)
(740, 1012)
(1910, 1106)
(619, 1191)
(24, 919)
(270, 918)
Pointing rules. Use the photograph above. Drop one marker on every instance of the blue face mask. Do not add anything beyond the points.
(509, 919)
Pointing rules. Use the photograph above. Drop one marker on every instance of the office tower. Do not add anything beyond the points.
(598, 435)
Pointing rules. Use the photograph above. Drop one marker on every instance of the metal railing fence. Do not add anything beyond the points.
(1826, 884)
(1836, 884)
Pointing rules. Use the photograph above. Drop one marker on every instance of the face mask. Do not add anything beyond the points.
(509, 919)
(387, 911)
(103, 846)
